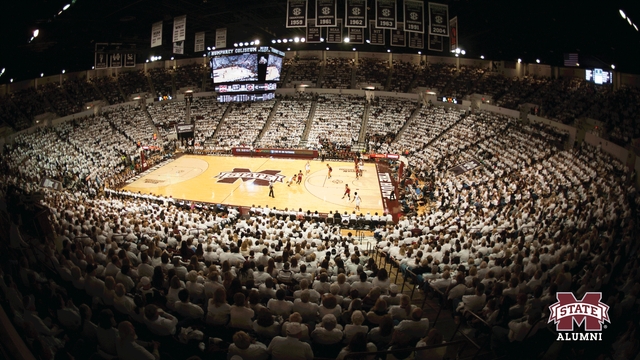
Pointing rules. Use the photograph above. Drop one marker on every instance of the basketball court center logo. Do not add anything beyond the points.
(261, 178)
(589, 311)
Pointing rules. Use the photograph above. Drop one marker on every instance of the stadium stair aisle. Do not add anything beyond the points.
(150, 81)
(307, 127)
(415, 113)
(267, 124)
(363, 126)
(222, 119)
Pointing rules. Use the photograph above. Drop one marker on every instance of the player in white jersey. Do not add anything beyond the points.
(307, 167)
(356, 198)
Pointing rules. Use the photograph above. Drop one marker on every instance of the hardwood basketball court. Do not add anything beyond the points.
(243, 181)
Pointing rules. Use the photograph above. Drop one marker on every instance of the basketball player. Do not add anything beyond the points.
(356, 198)
(271, 189)
(299, 177)
(330, 170)
(347, 191)
(307, 167)
(291, 180)
(361, 167)
(357, 172)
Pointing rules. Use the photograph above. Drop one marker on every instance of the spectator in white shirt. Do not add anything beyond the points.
(290, 347)
(240, 314)
(248, 349)
(218, 310)
(187, 309)
(128, 348)
(280, 306)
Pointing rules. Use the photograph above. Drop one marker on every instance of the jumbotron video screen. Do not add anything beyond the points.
(273, 68)
(242, 67)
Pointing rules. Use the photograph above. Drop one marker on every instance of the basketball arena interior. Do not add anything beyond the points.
(319, 179)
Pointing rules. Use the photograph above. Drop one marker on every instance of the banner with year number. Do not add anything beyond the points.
(355, 13)
(386, 14)
(297, 13)
(438, 19)
(413, 16)
(199, 44)
(356, 35)
(326, 13)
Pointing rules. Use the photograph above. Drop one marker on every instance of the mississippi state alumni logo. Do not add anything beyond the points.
(261, 178)
(589, 311)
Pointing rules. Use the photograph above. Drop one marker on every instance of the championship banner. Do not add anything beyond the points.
(334, 34)
(435, 43)
(178, 47)
(398, 37)
(101, 57)
(413, 16)
(376, 36)
(116, 60)
(221, 38)
(314, 33)
(438, 19)
(156, 34)
(199, 42)
(179, 28)
(416, 40)
(326, 13)
(356, 13)
(130, 60)
(356, 35)
(453, 38)
(386, 14)
(296, 13)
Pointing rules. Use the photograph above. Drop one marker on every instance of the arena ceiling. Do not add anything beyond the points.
(500, 30)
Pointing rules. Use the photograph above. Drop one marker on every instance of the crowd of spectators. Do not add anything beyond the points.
(306, 70)
(462, 81)
(387, 116)
(162, 81)
(403, 75)
(206, 113)
(11, 115)
(619, 111)
(287, 64)
(337, 120)
(108, 86)
(80, 91)
(372, 71)
(134, 82)
(519, 90)
(243, 124)
(191, 76)
(30, 102)
(289, 122)
(60, 102)
(498, 241)
(436, 76)
(337, 73)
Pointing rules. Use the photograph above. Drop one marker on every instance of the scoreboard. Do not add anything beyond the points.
(249, 70)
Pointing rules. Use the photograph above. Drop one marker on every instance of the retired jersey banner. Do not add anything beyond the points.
(221, 38)
(416, 40)
(199, 46)
(438, 19)
(355, 13)
(156, 34)
(326, 13)
(296, 13)
(453, 29)
(178, 47)
(413, 16)
(129, 60)
(386, 14)
(179, 28)
(101, 61)
(314, 33)
(435, 43)
(334, 34)
(398, 36)
(116, 60)
(376, 36)
(356, 35)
